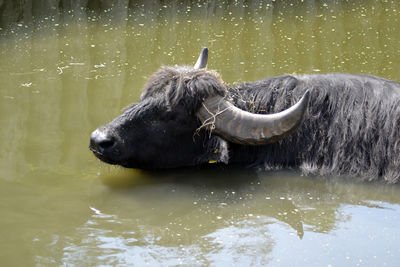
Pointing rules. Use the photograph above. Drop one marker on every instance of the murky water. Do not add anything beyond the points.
(62, 76)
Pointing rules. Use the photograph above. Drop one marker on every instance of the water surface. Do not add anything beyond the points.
(61, 76)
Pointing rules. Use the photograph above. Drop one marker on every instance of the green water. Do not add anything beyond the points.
(62, 76)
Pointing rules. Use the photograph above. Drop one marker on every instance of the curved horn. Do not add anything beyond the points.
(243, 127)
(201, 62)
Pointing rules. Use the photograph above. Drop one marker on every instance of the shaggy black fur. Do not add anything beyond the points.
(352, 126)
(173, 86)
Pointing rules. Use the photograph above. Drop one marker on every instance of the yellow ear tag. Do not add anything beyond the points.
(212, 161)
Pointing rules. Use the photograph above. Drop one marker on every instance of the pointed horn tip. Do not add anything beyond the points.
(201, 62)
(205, 51)
(307, 94)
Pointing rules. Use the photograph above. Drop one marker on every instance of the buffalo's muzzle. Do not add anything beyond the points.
(102, 142)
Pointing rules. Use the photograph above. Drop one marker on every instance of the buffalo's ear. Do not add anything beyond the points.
(216, 151)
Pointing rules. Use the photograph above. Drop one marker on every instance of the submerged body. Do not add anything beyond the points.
(352, 126)
(341, 124)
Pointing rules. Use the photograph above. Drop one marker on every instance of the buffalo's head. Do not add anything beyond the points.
(184, 118)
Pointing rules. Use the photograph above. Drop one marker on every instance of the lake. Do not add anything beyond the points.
(65, 70)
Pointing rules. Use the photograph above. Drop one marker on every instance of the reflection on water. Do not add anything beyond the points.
(241, 217)
(62, 75)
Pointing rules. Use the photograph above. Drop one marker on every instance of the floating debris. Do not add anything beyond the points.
(76, 63)
(101, 65)
(95, 211)
(26, 84)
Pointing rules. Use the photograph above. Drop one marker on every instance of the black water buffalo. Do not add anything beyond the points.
(329, 124)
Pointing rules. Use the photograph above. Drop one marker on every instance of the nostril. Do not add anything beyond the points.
(101, 141)
(106, 143)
